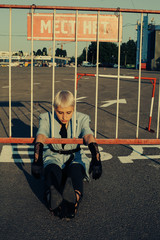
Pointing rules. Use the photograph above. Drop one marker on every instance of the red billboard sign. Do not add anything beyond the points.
(65, 25)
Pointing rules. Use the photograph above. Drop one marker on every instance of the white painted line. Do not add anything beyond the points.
(6, 154)
(25, 153)
(151, 110)
(80, 98)
(137, 153)
(5, 87)
(36, 83)
(111, 102)
(115, 76)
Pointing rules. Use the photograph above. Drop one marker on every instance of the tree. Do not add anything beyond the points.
(131, 55)
(92, 52)
(82, 57)
(61, 53)
(21, 53)
(44, 51)
(128, 52)
(15, 54)
(107, 52)
(39, 52)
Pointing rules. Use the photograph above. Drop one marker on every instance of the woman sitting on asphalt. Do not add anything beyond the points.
(65, 165)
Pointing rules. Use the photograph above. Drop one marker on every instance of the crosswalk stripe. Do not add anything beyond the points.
(25, 153)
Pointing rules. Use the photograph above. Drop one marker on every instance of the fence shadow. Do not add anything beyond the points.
(20, 129)
(112, 114)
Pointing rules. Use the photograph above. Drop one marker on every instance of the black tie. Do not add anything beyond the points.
(63, 133)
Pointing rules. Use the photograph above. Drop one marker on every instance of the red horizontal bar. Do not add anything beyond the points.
(86, 74)
(80, 141)
(79, 8)
(146, 78)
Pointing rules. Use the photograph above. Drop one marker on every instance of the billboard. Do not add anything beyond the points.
(65, 27)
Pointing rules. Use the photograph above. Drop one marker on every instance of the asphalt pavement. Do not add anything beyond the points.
(124, 204)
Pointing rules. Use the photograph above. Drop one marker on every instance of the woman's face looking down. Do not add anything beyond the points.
(64, 114)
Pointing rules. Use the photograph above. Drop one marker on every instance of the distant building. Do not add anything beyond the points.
(150, 45)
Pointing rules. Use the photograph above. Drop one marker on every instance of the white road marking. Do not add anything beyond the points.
(137, 153)
(24, 153)
(6, 154)
(80, 98)
(111, 102)
(5, 87)
(36, 83)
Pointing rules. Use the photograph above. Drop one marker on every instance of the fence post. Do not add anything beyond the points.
(139, 83)
(97, 68)
(53, 71)
(157, 136)
(10, 60)
(118, 79)
(75, 75)
(32, 74)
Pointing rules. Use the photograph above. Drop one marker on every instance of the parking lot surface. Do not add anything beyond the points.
(124, 204)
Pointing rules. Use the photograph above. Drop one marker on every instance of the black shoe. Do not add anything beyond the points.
(66, 210)
(69, 197)
(69, 193)
(53, 198)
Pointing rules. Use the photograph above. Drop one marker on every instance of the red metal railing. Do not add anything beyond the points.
(125, 10)
(100, 141)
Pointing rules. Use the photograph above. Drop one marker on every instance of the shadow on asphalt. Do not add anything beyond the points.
(20, 129)
(114, 115)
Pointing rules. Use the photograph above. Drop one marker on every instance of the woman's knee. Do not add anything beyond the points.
(52, 175)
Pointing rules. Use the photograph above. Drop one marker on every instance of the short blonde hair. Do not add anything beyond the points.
(64, 98)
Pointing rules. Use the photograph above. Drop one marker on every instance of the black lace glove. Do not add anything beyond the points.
(37, 165)
(95, 165)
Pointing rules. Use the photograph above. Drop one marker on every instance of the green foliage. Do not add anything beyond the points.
(128, 53)
(82, 57)
(44, 51)
(21, 53)
(39, 52)
(92, 52)
(60, 53)
(108, 53)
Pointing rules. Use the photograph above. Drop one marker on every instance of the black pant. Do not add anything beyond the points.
(54, 175)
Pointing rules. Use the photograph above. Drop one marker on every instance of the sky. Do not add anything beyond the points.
(19, 22)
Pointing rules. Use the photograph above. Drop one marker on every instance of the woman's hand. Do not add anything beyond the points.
(95, 165)
(37, 165)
